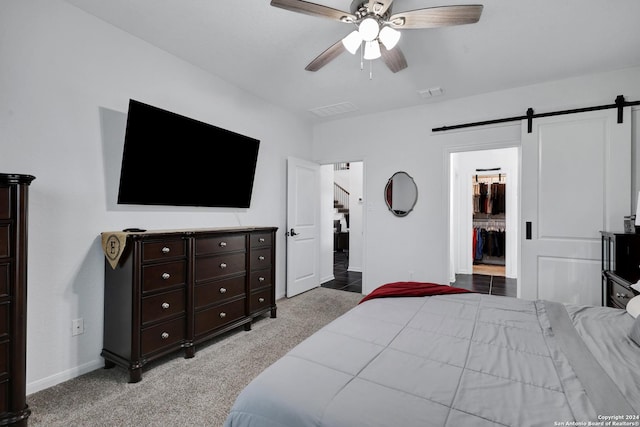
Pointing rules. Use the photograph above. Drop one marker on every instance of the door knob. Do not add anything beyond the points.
(293, 233)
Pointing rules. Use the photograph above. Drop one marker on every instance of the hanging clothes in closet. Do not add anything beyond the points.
(489, 209)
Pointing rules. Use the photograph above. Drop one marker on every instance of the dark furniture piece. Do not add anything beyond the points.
(341, 241)
(14, 191)
(620, 267)
(174, 289)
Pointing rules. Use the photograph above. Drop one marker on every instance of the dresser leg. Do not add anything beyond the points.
(273, 313)
(247, 326)
(189, 352)
(135, 375)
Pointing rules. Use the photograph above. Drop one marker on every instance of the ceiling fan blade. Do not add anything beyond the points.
(313, 9)
(394, 58)
(379, 6)
(327, 56)
(433, 17)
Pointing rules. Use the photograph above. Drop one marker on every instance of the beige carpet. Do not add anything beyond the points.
(189, 392)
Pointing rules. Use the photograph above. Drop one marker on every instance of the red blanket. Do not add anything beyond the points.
(412, 289)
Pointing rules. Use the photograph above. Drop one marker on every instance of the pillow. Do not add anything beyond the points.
(633, 306)
(634, 334)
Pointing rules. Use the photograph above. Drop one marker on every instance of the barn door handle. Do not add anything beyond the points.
(528, 226)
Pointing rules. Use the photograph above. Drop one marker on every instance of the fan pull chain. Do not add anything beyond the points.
(370, 70)
(362, 56)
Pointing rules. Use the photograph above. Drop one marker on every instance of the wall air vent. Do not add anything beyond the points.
(334, 110)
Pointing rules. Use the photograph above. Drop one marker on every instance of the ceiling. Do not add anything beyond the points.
(264, 49)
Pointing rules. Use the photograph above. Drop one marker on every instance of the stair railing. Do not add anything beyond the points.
(340, 196)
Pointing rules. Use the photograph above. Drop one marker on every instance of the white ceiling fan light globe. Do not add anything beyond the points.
(389, 37)
(352, 42)
(369, 29)
(372, 50)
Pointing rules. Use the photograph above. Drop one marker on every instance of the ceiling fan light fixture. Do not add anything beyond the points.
(389, 37)
(372, 50)
(352, 41)
(369, 29)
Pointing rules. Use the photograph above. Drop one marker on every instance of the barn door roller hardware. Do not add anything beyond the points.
(619, 104)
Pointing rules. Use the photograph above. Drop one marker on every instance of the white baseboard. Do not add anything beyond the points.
(355, 269)
(327, 279)
(64, 376)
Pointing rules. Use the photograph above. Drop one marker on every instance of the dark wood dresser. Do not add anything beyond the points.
(620, 267)
(14, 192)
(171, 290)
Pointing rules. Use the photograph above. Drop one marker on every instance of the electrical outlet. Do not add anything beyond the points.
(77, 326)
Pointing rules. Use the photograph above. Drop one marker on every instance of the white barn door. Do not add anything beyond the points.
(303, 227)
(576, 181)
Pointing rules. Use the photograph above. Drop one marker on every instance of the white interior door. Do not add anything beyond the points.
(576, 181)
(303, 228)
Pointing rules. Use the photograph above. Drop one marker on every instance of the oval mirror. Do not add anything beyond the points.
(401, 194)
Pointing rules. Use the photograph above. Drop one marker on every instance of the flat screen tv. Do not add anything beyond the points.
(173, 160)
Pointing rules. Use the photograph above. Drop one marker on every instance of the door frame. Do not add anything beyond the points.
(465, 140)
(364, 211)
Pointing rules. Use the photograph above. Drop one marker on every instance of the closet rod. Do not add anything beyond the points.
(620, 103)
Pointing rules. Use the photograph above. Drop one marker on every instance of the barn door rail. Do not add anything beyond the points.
(619, 104)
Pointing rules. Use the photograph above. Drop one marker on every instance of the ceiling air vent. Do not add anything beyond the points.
(334, 110)
(428, 93)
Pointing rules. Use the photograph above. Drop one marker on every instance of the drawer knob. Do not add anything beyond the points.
(261, 240)
(223, 315)
(622, 296)
(166, 250)
(260, 279)
(261, 258)
(165, 305)
(165, 335)
(165, 276)
(223, 244)
(260, 299)
(223, 290)
(223, 265)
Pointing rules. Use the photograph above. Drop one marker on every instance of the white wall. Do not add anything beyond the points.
(356, 215)
(416, 247)
(65, 79)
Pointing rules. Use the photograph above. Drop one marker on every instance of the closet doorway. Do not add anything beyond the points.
(484, 220)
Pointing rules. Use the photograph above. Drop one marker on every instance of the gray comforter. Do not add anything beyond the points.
(453, 360)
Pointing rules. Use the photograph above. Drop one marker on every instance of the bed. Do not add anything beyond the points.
(453, 358)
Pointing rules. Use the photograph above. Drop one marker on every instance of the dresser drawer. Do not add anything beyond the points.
(218, 291)
(216, 317)
(166, 249)
(165, 335)
(4, 280)
(260, 279)
(5, 310)
(5, 236)
(159, 276)
(260, 300)
(220, 244)
(213, 267)
(620, 295)
(4, 396)
(259, 240)
(4, 358)
(5, 203)
(162, 306)
(260, 258)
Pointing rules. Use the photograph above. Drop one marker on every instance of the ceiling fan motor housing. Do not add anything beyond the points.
(361, 10)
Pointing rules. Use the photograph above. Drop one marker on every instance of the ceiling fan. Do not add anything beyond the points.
(377, 27)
